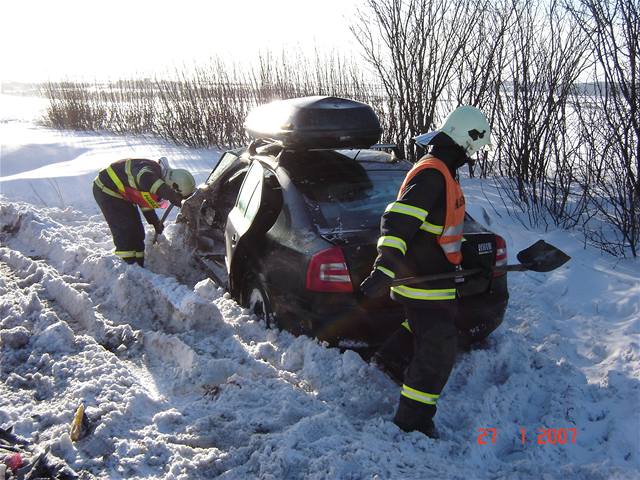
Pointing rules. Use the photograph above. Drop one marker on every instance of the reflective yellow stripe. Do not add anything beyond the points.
(147, 196)
(386, 271)
(139, 254)
(393, 242)
(403, 208)
(114, 178)
(423, 294)
(142, 171)
(156, 185)
(432, 228)
(406, 325)
(106, 190)
(126, 254)
(418, 396)
(127, 169)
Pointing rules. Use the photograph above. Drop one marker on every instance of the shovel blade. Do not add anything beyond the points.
(542, 257)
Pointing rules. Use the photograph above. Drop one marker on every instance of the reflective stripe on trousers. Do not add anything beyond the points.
(129, 254)
(418, 396)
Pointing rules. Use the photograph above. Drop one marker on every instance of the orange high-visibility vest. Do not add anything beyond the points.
(451, 238)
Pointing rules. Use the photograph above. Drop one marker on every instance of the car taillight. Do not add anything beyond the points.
(501, 255)
(328, 272)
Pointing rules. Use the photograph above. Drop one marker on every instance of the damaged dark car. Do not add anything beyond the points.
(289, 225)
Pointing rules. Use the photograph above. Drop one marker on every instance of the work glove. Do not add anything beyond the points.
(377, 284)
(159, 227)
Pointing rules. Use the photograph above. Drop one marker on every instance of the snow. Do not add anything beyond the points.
(182, 383)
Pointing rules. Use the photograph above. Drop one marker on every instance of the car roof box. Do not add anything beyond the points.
(317, 122)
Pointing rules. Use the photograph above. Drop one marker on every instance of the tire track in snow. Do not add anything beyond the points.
(169, 307)
(67, 301)
(230, 354)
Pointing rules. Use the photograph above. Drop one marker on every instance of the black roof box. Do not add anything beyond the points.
(315, 123)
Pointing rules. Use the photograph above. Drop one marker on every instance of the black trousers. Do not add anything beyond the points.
(434, 340)
(125, 224)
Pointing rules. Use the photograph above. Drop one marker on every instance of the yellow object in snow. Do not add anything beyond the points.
(76, 430)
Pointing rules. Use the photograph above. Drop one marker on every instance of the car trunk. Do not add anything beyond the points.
(359, 248)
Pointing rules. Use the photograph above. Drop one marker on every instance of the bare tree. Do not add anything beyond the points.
(415, 47)
(610, 120)
(483, 65)
(535, 141)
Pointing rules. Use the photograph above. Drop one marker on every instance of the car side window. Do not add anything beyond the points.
(254, 204)
(225, 162)
(249, 197)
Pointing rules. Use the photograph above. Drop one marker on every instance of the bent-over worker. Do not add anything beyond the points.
(127, 184)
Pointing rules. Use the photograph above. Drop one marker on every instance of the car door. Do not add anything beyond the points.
(252, 213)
(226, 162)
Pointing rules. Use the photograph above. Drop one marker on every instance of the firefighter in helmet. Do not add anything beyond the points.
(421, 233)
(137, 182)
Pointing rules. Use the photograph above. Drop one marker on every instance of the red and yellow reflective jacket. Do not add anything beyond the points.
(138, 181)
(421, 232)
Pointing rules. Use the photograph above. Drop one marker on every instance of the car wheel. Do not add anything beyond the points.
(256, 299)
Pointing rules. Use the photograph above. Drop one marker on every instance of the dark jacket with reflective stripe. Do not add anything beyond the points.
(426, 192)
(145, 174)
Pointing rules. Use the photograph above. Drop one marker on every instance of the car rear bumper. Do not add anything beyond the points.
(337, 318)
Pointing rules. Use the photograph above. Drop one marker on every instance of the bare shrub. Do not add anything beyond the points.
(73, 106)
(207, 105)
(482, 67)
(535, 136)
(609, 116)
(415, 47)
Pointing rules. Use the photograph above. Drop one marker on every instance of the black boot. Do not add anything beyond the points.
(414, 417)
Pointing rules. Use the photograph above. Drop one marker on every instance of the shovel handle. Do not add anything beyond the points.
(518, 267)
(164, 217)
(539, 257)
(435, 276)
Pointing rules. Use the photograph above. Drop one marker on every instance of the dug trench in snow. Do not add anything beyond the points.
(66, 300)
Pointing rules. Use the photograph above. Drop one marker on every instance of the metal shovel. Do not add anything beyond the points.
(539, 257)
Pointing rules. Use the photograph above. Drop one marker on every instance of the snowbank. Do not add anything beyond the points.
(180, 382)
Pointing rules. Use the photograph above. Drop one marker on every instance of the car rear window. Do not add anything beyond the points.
(342, 193)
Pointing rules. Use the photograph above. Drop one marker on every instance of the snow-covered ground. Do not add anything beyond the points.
(180, 382)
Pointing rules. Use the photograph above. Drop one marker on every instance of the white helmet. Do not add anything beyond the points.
(181, 181)
(468, 127)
